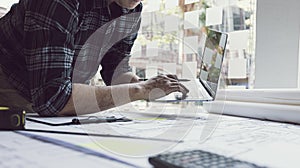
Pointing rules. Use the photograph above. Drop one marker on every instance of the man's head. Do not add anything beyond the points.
(129, 4)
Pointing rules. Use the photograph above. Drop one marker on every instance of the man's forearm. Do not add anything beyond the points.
(87, 99)
(90, 99)
(128, 77)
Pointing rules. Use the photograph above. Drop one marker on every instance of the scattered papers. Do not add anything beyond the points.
(280, 154)
(238, 40)
(191, 19)
(214, 16)
(171, 23)
(190, 45)
(243, 138)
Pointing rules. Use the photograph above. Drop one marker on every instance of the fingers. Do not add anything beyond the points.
(163, 79)
(167, 84)
(183, 89)
(175, 85)
(172, 76)
(178, 87)
(168, 77)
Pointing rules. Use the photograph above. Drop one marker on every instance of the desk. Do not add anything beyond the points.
(262, 142)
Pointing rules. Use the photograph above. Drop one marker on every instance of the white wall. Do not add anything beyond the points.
(299, 65)
(277, 44)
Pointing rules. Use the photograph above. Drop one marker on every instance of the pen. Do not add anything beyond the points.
(98, 120)
(92, 120)
(180, 80)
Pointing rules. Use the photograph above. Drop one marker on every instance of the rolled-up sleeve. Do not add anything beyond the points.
(49, 28)
(116, 61)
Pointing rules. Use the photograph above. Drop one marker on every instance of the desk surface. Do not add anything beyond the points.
(262, 142)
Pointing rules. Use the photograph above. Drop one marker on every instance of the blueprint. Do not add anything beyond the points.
(178, 127)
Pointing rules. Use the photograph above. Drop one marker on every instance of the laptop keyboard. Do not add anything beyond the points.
(197, 159)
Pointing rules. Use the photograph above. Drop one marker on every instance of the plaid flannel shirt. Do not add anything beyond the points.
(46, 45)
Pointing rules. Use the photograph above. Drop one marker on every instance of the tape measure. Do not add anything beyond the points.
(4, 108)
(12, 119)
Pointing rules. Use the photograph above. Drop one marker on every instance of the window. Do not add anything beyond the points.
(172, 31)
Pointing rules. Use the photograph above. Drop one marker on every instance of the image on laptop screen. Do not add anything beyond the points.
(212, 59)
(203, 87)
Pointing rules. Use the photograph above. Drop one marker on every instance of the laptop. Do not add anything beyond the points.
(204, 87)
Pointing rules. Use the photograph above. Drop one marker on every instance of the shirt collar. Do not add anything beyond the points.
(117, 10)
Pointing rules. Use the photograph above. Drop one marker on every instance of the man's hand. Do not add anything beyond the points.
(161, 86)
(87, 99)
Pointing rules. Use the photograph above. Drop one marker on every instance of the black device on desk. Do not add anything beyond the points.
(11, 119)
(78, 121)
(197, 159)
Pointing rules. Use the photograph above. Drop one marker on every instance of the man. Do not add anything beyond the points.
(50, 49)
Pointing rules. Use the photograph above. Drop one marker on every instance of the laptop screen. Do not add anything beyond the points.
(211, 64)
